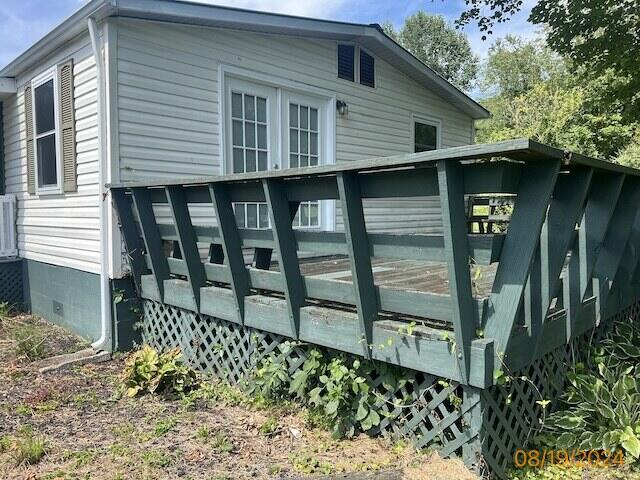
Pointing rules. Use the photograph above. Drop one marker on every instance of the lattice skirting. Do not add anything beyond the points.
(510, 414)
(421, 410)
(485, 430)
(11, 282)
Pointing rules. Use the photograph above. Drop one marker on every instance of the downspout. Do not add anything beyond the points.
(104, 342)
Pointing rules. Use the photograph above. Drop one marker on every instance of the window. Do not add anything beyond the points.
(45, 101)
(348, 57)
(367, 70)
(346, 62)
(426, 135)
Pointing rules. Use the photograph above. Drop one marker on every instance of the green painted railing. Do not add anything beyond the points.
(568, 258)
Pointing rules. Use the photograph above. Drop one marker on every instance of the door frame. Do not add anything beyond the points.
(225, 72)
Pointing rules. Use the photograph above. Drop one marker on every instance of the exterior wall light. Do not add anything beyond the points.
(342, 107)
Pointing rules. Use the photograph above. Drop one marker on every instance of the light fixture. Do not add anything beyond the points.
(342, 107)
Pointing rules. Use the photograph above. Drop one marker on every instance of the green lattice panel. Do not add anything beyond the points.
(419, 409)
(11, 282)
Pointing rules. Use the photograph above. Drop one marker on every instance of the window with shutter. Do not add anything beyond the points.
(50, 126)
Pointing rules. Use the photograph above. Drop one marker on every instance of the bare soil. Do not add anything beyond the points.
(91, 432)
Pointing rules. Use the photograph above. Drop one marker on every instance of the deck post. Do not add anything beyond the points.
(600, 207)
(132, 240)
(613, 246)
(558, 233)
(231, 245)
(359, 255)
(151, 235)
(187, 240)
(286, 248)
(523, 236)
(456, 254)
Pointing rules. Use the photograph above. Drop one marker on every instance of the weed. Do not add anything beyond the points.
(220, 443)
(203, 433)
(156, 458)
(308, 465)
(22, 409)
(28, 448)
(29, 340)
(268, 427)
(164, 426)
(147, 371)
(83, 457)
(5, 443)
(84, 399)
(125, 430)
(275, 469)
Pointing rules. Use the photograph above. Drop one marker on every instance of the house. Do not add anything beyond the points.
(132, 90)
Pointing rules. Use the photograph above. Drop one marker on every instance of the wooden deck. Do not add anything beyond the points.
(566, 257)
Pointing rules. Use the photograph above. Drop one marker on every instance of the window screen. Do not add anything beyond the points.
(45, 124)
(426, 137)
(367, 69)
(346, 60)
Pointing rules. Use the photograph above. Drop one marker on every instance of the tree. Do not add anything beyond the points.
(549, 104)
(514, 67)
(439, 45)
(596, 35)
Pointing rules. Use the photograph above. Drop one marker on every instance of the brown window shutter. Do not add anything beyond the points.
(67, 126)
(28, 119)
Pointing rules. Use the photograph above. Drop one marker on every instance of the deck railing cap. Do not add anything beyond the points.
(521, 149)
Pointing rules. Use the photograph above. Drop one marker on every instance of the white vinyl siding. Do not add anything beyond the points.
(58, 229)
(168, 105)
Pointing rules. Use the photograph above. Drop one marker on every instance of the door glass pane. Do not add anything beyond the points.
(249, 107)
(252, 215)
(251, 160)
(238, 160)
(44, 99)
(262, 161)
(47, 168)
(236, 105)
(237, 133)
(262, 109)
(238, 209)
(250, 134)
(304, 152)
(263, 215)
(262, 136)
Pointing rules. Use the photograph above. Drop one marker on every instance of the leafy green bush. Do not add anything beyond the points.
(147, 371)
(333, 385)
(603, 399)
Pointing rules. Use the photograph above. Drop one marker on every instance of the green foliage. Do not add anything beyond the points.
(29, 342)
(603, 399)
(543, 101)
(436, 43)
(630, 155)
(146, 371)
(268, 427)
(515, 66)
(220, 443)
(163, 427)
(28, 448)
(334, 387)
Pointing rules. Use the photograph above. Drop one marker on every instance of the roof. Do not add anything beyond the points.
(370, 36)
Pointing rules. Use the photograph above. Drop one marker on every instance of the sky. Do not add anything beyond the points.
(23, 22)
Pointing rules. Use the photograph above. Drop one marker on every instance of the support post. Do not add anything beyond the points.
(456, 252)
(187, 240)
(359, 255)
(132, 240)
(523, 236)
(286, 248)
(231, 245)
(151, 235)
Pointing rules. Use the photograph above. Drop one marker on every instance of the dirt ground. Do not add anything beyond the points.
(87, 431)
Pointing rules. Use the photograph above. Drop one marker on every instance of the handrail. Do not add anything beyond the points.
(543, 265)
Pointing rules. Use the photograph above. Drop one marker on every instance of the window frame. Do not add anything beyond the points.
(356, 65)
(426, 120)
(50, 74)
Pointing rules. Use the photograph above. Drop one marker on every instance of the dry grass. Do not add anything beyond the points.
(79, 429)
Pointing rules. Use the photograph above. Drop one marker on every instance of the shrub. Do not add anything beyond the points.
(333, 385)
(146, 371)
(603, 399)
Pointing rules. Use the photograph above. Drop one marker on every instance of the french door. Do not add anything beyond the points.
(270, 128)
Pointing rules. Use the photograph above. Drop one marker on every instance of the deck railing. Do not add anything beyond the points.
(558, 264)
(8, 244)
